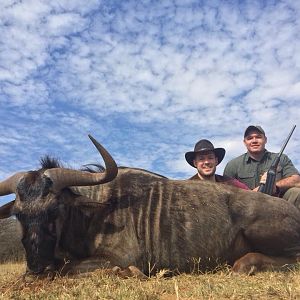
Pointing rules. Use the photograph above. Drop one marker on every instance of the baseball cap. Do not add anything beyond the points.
(254, 127)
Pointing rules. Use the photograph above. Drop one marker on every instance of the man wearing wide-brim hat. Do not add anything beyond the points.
(205, 159)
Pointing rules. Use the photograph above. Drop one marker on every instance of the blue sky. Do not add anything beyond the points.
(147, 79)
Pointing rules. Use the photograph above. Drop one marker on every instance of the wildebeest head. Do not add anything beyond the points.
(37, 202)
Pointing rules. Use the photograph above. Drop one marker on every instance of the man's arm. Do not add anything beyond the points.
(291, 177)
(290, 174)
(282, 185)
(289, 182)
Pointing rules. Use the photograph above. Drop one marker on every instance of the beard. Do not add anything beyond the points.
(207, 173)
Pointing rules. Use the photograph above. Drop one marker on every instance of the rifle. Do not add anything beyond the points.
(267, 188)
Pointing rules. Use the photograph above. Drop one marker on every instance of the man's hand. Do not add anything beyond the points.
(263, 180)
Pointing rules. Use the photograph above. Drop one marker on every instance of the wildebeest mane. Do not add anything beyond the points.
(48, 162)
(95, 168)
(146, 171)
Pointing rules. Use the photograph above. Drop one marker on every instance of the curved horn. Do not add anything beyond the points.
(62, 178)
(9, 185)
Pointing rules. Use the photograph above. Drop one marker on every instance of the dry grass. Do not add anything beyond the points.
(97, 285)
(11, 248)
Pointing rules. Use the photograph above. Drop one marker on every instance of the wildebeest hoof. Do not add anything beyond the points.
(116, 270)
(130, 271)
(247, 270)
(249, 264)
(136, 272)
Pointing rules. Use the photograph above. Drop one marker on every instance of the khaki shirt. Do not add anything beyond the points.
(248, 170)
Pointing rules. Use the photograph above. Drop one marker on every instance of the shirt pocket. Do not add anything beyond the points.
(248, 178)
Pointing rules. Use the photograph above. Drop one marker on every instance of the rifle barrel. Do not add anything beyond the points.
(287, 140)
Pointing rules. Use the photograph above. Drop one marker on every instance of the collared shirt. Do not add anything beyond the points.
(225, 180)
(249, 171)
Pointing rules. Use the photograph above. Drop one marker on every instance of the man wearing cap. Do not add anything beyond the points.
(251, 167)
(206, 158)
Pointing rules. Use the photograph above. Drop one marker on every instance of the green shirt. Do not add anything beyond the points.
(248, 170)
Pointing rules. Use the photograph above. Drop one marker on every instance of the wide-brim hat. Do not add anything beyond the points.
(201, 147)
(254, 128)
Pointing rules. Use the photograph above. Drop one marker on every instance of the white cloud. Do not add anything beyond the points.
(145, 78)
(65, 23)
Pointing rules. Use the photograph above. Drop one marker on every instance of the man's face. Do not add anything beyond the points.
(255, 142)
(206, 163)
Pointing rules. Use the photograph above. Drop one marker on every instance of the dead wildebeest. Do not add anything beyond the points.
(142, 221)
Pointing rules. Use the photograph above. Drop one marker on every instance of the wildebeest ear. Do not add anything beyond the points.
(6, 210)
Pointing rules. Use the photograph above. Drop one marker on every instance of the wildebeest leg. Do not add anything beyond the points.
(91, 265)
(130, 271)
(253, 262)
(239, 248)
(85, 266)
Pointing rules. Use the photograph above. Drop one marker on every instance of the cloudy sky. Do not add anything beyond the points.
(147, 79)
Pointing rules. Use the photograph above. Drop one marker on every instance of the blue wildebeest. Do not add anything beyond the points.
(138, 220)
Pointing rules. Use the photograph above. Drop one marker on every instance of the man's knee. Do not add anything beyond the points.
(292, 195)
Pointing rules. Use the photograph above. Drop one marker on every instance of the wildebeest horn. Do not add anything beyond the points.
(62, 178)
(9, 185)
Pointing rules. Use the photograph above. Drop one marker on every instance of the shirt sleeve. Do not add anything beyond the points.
(288, 169)
(230, 170)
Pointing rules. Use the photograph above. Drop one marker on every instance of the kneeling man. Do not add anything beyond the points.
(206, 158)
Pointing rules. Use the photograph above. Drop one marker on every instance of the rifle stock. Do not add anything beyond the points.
(267, 188)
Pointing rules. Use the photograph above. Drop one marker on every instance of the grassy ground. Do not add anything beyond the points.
(97, 285)
(10, 240)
